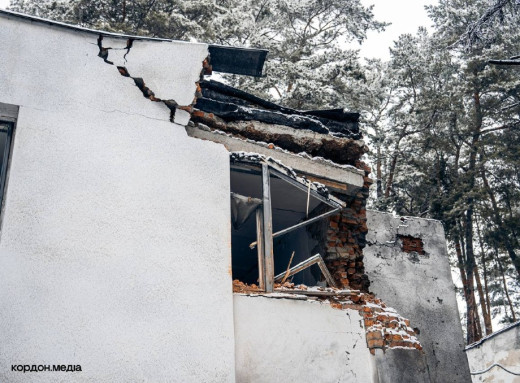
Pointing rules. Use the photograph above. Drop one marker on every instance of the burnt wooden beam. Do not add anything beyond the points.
(233, 112)
(233, 104)
(223, 92)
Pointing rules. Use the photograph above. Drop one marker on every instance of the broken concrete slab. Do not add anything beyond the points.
(349, 176)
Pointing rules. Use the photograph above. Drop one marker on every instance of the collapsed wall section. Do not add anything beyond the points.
(292, 336)
(346, 233)
(324, 146)
(243, 122)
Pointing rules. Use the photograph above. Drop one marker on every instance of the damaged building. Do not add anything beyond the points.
(157, 225)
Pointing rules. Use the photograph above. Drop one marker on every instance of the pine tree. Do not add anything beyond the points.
(453, 147)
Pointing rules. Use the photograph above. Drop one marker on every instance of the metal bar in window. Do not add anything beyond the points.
(268, 229)
(315, 259)
(301, 224)
(305, 223)
(326, 273)
(260, 250)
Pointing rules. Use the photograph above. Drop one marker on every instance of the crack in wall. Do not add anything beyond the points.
(138, 81)
(129, 44)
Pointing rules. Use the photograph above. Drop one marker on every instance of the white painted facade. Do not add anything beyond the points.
(112, 213)
(287, 340)
(503, 348)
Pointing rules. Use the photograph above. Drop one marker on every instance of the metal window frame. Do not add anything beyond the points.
(9, 118)
(5, 161)
(264, 224)
(315, 259)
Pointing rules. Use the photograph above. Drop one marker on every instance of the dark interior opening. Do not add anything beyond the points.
(289, 206)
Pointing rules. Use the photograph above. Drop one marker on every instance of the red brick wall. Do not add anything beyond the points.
(410, 244)
(346, 239)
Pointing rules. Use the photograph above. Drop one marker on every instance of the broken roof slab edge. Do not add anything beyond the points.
(346, 175)
(319, 191)
(225, 59)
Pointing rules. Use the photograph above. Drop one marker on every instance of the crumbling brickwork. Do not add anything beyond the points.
(346, 239)
(384, 327)
(411, 244)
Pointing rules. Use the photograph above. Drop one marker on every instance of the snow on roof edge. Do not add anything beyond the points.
(478, 343)
(82, 29)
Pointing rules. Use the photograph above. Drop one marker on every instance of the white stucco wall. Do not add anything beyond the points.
(286, 340)
(113, 217)
(502, 348)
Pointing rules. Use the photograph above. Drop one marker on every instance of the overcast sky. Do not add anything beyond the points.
(405, 15)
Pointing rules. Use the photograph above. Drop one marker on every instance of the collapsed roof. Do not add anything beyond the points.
(232, 104)
(332, 134)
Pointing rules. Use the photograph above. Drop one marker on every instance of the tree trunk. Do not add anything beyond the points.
(391, 175)
(468, 224)
(393, 164)
(500, 224)
(489, 323)
(469, 295)
(379, 177)
(460, 265)
(482, 300)
(486, 308)
(506, 291)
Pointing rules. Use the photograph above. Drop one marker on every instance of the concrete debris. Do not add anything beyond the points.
(340, 150)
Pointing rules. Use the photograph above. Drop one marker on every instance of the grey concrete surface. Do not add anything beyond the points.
(400, 365)
(420, 288)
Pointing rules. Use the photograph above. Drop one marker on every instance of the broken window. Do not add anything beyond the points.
(278, 226)
(6, 131)
(8, 115)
